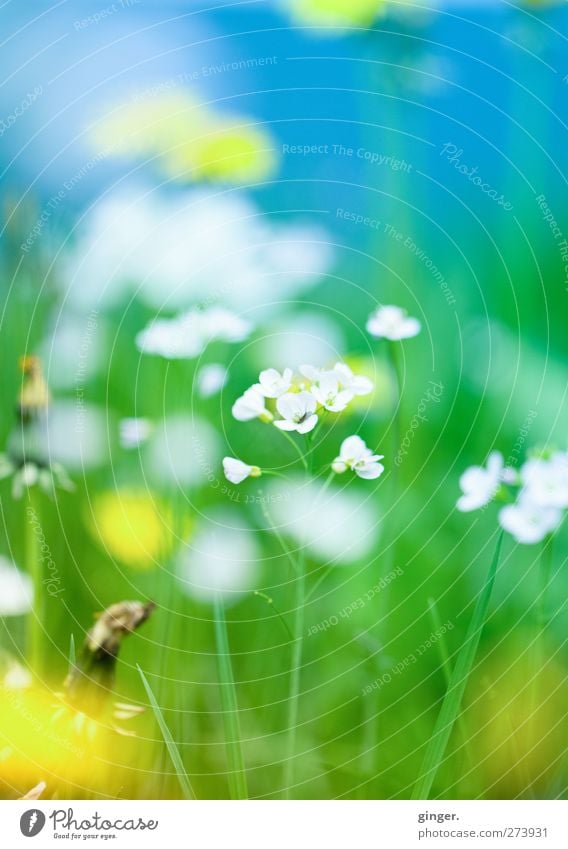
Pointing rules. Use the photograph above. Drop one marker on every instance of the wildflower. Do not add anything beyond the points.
(355, 384)
(34, 394)
(480, 485)
(528, 522)
(251, 405)
(355, 455)
(27, 474)
(546, 480)
(221, 560)
(393, 323)
(298, 411)
(236, 471)
(328, 393)
(272, 384)
(211, 379)
(338, 526)
(134, 432)
(133, 526)
(187, 335)
(16, 590)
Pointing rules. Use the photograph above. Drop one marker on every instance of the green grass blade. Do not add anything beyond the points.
(169, 741)
(451, 706)
(231, 725)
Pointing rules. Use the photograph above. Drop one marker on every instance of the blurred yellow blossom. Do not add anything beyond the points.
(188, 141)
(133, 526)
(338, 12)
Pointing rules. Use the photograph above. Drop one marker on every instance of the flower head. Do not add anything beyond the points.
(251, 405)
(272, 384)
(528, 522)
(211, 379)
(394, 323)
(546, 480)
(16, 591)
(187, 335)
(298, 411)
(479, 485)
(355, 455)
(134, 432)
(355, 384)
(28, 473)
(327, 392)
(236, 471)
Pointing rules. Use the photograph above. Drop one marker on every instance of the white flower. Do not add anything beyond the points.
(298, 411)
(355, 384)
(355, 455)
(236, 471)
(221, 560)
(16, 591)
(312, 373)
(546, 481)
(211, 379)
(134, 432)
(187, 335)
(393, 323)
(480, 485)
(328, 393)
(338, 526)
(527, 522)
(251, 405)
(273, 384)
(182, 450)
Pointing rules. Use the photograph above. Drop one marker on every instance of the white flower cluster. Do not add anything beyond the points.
(187, 335)
(540, 489)
(300, 399)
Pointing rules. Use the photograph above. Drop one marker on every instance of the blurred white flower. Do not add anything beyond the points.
(311, 373)
(527, 522)
(187, 335)
(77, 434)
(236, 471)
(546, 480)
(170, 249)
(356, 385)
(134, 432)
(328, 393)
(393, 323)
(273, 384)
(338, 526)
(355, 455)
(184, 450)
(75, 351)
(221, 559)
(16, 590)
(211, 379)
(298, 411)
(251, 405)
(479, 485)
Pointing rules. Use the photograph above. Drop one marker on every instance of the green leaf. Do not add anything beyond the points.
(451, 706)
(169, 741)
(231, 726)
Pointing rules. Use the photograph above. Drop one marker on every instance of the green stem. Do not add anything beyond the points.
(35, 571)
(231, 724)
(451, 705)
(294, 691)
(297, 448)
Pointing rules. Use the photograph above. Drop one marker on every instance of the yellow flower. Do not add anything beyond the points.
(338, 12)
(133, 526)
(188, 141)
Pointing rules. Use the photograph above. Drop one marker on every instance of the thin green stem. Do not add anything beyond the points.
(294, 690)
(279, 537)
(270, 601)
(451, 705)
(34, 567)
(231, 724)
(297, 448)
(320, 581)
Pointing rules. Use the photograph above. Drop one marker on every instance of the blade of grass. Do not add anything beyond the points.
(451, 705)
(231, 725)
(168, 740)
